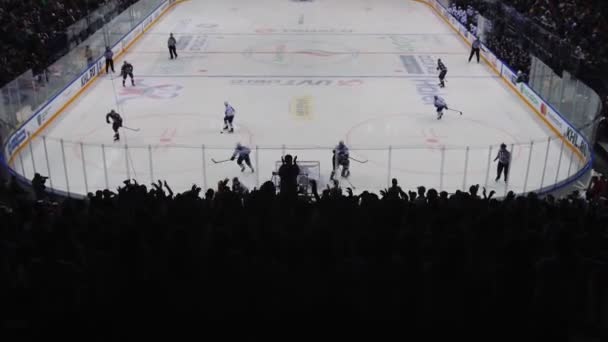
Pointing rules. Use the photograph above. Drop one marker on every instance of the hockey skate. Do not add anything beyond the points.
(231, 130)
(116, 137)
(242, 168)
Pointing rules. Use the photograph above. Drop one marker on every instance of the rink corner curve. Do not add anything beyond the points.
(59, 102)
(572, 138)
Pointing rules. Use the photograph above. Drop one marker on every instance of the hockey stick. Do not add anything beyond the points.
(358, 161)
(131, 129)
(351, 184)
(219, 161)
(455, 110)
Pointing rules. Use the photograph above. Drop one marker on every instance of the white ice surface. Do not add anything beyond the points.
(340, 61)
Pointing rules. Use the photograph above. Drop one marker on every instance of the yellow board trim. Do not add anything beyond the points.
(539, 114)
(78, 93)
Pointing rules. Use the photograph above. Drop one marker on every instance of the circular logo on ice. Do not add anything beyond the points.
(306, 53)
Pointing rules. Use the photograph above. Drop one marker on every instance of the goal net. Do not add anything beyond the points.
(308, 170)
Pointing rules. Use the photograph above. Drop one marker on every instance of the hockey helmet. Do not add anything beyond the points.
(341, 143)
(225, 103)
(238, 145)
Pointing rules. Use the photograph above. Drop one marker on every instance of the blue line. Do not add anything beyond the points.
(311, 76)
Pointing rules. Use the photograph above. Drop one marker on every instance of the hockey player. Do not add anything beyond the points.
(116, 123)
(340, 158)
(440, 105)
(442, 73)
(228, 117)
(171, 44)
(127, 70)
(243, 156)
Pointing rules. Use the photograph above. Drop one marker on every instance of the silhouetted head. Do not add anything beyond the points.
(288, 159)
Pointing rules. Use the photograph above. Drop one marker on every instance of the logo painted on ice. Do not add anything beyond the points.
(297, 82)
(272, 30)
(427, 89)
(157, 92)
(403, 43)
(307, 53)
(207, 26)
(419, 65)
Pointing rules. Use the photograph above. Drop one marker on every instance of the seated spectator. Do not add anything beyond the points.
(521, 77)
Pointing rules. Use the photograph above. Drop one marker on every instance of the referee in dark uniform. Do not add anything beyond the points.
(504, 159)
(475, 49)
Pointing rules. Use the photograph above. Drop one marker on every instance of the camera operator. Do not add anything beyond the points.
(38, 186)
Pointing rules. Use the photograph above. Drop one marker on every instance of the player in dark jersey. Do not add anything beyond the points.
(340, 158)
(443, 71)
(116, 123)
(127, 70)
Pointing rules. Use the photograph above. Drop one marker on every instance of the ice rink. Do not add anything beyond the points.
(301, 76)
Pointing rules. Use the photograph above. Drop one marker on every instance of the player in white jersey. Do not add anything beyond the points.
(242, 152)
(228, 117)
(440, 104)
(340, 157)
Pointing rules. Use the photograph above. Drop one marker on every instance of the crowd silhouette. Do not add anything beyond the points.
(532, 268)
